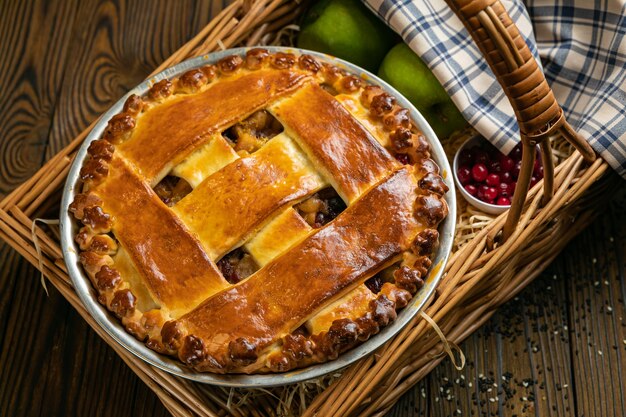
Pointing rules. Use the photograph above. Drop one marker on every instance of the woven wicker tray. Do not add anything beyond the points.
(477, 279)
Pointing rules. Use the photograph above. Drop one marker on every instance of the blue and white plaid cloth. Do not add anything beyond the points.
(580, 43)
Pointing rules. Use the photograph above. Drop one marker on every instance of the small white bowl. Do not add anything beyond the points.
(486, 207)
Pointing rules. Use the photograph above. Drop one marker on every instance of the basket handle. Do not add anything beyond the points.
(538, 114)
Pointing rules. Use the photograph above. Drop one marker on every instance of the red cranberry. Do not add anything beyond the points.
(493, 180)
(506, 177)
(505, 189)
(506, 163)
(538, 169)
(491, 194)
(489, 175)
(471, 189)
(481, 156)
(465, 175)
(494, 166)
(533, 180)
(492, 152)
(516, 169)
(481, 191)
(466, 157)
(503, 201)
(479, 172)
(516, 153)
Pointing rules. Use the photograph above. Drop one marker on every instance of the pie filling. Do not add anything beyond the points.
(172, 189)
(237, 265)
(261, 214)
(321, 208)
(252, 133)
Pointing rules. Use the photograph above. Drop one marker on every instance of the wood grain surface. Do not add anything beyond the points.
(559, 349)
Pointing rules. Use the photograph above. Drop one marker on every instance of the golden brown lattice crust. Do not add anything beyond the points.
(242, 144)
(205, 112)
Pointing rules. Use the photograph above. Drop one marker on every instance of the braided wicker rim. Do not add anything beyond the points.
(477, 281)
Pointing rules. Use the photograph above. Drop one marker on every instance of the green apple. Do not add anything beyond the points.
(405, 71)
(444, 118)
(347, 30)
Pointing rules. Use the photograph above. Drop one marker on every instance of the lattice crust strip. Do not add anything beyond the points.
(321, 280)
(230, 205)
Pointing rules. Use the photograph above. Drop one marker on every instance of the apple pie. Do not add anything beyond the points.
(264, 213)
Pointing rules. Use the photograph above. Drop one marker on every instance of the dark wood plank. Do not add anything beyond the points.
(34, 51)
(51, 363)
(595, 267)
(115, 47)
(22, 359)
(414, 403)
(558, 349)
(118, 46)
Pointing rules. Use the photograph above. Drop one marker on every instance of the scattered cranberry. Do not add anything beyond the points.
(465, 175)
(479, 172)
(471, 189)
(503, 201)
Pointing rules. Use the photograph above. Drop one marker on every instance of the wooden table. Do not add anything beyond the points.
(559, 349)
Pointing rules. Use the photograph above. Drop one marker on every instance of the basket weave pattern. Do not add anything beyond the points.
(477, 280)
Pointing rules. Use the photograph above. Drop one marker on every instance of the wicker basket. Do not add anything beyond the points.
(488, 267)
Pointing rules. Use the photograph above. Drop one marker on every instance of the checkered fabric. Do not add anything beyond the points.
(582, 48)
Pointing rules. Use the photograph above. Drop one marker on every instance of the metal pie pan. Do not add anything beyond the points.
(112, 325)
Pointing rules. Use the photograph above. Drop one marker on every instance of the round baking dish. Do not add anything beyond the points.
(112, 325)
